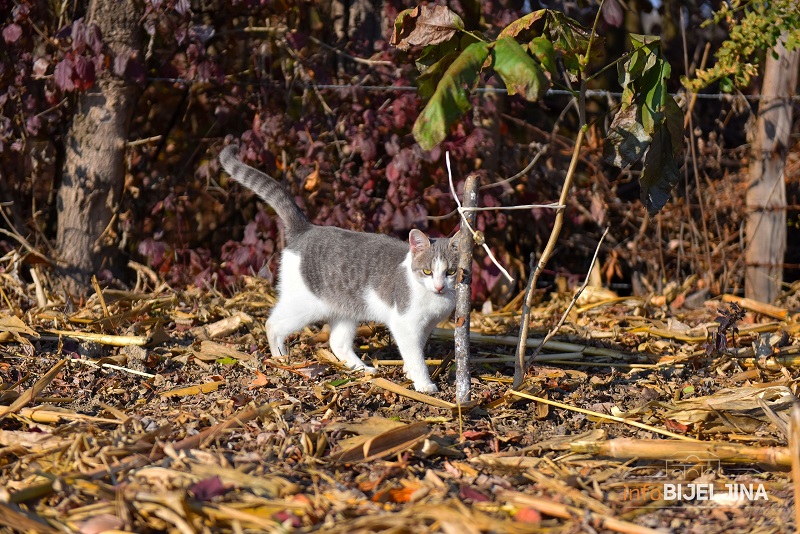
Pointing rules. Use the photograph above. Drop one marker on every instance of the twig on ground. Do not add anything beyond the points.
(601, 415)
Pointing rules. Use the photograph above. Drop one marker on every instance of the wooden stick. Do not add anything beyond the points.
(103, 339)
(463, 293)
(519, 365)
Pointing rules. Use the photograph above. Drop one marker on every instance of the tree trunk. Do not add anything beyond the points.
(766, 190)
(94, 166)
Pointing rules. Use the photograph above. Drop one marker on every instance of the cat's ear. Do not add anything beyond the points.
(418, 241)
(453, 242)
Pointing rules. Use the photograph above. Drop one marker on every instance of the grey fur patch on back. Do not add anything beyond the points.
(339, 266)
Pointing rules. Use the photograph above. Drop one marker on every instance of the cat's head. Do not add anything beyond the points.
(434, 263)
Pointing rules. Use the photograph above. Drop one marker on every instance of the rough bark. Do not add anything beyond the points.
(766, 190)
(94, 169)
(463, 293)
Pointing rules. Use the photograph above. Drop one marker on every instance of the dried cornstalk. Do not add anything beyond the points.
(659, 449)
(794, 452)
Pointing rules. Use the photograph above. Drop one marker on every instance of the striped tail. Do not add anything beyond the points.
(265, 187)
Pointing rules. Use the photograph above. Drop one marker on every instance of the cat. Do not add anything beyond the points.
(345, 277)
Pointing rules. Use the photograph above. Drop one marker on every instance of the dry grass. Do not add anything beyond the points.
(160, 412)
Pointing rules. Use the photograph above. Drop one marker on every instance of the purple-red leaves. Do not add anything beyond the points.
(207, 489)
(63, 75)
(12, 33)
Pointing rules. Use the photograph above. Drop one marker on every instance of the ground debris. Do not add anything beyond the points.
(162, 411)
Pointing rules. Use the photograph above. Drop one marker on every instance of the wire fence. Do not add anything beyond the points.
(592, 93)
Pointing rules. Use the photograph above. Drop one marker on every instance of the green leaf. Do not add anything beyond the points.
(639, 40)
(227, 360)
(340, 382)
(519, 71)
(429, 80)
(660, 173)
(627, 140)
(545, 53)
(653, 95)
(431, 54)
(567, 35)
(642, 57)
(674, 123)
(451, 97)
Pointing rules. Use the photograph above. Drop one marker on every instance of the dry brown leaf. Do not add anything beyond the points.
(211, 351)
(424, 26)
(12, 327)
(259, 381)
(384, 444)
(312, 180)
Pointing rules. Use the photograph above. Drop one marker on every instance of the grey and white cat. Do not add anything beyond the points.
(344, 277)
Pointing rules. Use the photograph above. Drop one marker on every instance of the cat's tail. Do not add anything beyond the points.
(265, 187)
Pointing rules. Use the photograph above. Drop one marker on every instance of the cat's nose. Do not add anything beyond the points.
(438, 288)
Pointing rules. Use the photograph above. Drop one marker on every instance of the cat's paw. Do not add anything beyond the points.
(429, 387)
(361, 366)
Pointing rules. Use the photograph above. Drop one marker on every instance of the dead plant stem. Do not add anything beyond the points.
(519, 367)
(602, 416)
(688, 118)
(553, 331)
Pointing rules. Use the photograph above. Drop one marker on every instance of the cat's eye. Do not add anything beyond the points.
(451, 272)
(427, 272)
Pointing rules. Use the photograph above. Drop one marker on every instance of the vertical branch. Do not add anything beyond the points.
(463, 293)
(519, 363)
(709, 270)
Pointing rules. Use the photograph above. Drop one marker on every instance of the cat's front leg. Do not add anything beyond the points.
(343, 334)
(411, 340)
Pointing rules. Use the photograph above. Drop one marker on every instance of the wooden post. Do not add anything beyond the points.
(766, 190)
(463, 293)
